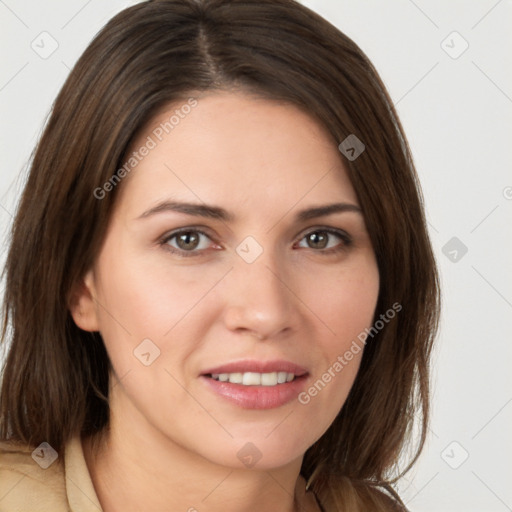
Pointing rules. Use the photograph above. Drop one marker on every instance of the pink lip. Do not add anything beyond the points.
(257, 367)
(257, 397)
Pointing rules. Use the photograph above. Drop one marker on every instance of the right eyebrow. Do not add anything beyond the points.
(198, 210)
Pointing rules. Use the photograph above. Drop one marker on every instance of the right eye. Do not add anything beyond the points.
(186, 242)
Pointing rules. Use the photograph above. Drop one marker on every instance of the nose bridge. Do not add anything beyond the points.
(258, 298)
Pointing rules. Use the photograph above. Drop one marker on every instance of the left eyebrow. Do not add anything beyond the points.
(216, 212)
(329, 209)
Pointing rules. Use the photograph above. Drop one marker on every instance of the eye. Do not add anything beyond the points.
(325, 240)
(186, 242)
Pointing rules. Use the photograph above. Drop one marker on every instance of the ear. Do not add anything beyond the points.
(82, 304)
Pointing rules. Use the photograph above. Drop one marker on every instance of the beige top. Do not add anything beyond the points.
(36, 481)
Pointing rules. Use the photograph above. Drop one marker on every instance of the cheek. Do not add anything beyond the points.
(345, 303)
(145, 298)
(345, 300)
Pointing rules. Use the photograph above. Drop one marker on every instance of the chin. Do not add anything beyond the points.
(257, 452)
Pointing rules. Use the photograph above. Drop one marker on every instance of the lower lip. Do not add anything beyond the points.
(257, 397)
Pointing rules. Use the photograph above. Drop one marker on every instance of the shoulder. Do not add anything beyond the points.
(31, 479)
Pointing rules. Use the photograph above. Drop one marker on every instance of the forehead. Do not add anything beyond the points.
(237, 150)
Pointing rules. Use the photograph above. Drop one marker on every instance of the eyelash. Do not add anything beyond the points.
(346, 241)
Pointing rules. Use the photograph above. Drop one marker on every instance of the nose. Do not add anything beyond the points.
(259, 299)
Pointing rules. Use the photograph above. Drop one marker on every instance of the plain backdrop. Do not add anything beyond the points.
(447, 66)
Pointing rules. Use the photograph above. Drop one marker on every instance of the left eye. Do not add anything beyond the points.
(324, 238)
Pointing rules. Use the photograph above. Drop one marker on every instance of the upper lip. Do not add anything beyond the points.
(257, 367)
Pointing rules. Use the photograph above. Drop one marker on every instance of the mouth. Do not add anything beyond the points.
(256, 384)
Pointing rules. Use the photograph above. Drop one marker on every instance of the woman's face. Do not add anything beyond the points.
(254, 288)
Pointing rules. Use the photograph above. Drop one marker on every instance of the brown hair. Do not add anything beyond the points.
(55, 378)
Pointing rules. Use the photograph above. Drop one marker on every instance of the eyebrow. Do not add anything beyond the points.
(218, 213)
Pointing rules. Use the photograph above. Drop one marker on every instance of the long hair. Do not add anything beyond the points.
(55, 377)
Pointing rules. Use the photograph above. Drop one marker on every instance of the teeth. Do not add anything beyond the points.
(255, 379)
(252, 379)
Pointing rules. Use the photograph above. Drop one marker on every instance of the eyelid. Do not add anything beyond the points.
(328, 229)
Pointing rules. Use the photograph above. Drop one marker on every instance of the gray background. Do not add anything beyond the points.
(456, 107)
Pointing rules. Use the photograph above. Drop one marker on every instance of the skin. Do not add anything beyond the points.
(173, 443)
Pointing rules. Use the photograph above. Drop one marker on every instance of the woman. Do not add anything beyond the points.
(220, 290)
